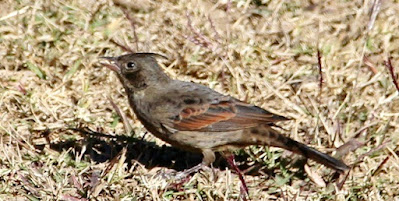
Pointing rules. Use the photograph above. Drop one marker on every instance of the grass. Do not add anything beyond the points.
(264, 52)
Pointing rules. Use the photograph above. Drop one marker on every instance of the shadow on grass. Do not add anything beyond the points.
(102, 147)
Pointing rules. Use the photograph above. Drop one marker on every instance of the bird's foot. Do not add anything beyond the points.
(183, 175)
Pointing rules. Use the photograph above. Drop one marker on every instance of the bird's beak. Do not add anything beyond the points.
(111, 63)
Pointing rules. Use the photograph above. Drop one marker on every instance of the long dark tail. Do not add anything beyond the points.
(273, 138)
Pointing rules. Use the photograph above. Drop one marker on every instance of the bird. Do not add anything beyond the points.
(196, 118)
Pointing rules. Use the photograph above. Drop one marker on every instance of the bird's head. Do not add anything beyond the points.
(137, 71)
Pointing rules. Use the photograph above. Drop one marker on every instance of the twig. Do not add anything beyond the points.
(340, 184)
(375, 9)
(98, 9)
(124, 47)
(21, 88)
(217, 36)
(388, 64)
(121, 156)
(379, 147)
(320, 72)
(228, 5)
(381, 165)
(128, 128)
(89, 132)
(384, 161)
(198, 38)
(133, 24)
(373, 16)
(369, 64)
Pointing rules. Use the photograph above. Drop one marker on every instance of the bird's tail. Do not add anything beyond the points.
(271, 137)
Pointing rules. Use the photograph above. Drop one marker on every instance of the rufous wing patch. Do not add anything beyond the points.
(195, 118)
(224, 116)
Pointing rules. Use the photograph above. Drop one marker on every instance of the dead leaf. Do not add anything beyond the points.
(316, 178)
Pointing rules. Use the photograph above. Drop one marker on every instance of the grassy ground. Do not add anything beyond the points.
(264, 52)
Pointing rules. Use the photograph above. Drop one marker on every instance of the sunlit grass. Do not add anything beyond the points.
(263, 52)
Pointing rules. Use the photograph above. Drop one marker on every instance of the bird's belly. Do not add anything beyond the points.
(206, 140)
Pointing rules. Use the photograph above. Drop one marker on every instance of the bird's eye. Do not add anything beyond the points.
(130, 65)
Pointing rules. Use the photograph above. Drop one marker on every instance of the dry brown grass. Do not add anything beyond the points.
(264, 52)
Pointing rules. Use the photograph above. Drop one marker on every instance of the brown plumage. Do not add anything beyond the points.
(197, 118)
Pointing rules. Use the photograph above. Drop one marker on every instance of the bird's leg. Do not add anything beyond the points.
(232, 163)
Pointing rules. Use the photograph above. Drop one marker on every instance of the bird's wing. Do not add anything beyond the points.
(222, 114)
